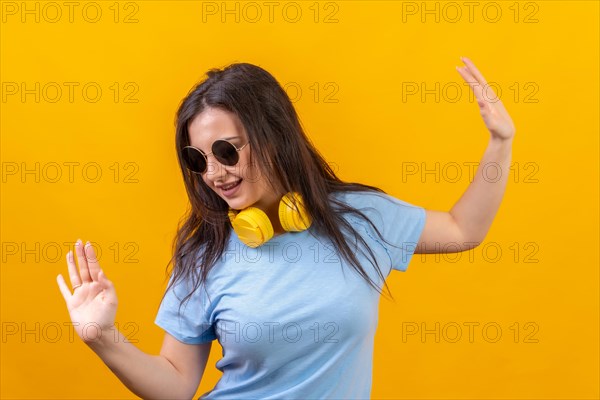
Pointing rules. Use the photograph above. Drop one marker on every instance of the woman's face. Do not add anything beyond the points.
(253, 190)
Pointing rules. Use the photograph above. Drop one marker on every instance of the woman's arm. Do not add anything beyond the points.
(174, 374)
(467, 223)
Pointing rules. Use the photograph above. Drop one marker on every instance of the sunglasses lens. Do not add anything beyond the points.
(194, 160)
(225, 152)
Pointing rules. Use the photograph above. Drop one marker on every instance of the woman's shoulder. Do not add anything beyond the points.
(375, 204)
(364, 198)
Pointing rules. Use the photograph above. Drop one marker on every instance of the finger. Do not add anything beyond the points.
(73, 273)
(481, 96)
(474, 71)
(82, 262)
(488, 93)
(64, 289)
(92, 260)
(473, 84)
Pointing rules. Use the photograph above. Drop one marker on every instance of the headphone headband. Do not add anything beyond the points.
(254, 228)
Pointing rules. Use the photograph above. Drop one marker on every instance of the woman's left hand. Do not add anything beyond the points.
(495, 116)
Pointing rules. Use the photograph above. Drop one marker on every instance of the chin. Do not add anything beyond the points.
(238, 204)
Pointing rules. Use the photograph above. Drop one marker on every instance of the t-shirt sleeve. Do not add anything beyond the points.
(403, 225)
(399, 222)
(191, 324)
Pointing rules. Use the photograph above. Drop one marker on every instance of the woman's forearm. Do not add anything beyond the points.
(148, 376)
(477, 207)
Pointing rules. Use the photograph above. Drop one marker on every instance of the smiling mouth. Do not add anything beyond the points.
(232, 185)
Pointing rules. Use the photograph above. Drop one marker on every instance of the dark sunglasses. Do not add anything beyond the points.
(225, 152)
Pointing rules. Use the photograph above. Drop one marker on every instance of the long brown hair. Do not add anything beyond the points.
(277, 139)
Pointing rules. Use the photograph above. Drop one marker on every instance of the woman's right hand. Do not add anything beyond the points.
(93, 303)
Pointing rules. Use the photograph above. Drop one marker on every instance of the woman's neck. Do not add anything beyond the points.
(272, 212)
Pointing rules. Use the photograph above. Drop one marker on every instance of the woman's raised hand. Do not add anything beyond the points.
(494, 114)
(93, 303)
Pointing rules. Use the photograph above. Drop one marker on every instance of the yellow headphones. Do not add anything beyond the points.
(254, 228)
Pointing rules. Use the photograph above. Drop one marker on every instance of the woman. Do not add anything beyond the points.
(279, 260)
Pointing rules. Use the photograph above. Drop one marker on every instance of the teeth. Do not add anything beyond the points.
(230, 186)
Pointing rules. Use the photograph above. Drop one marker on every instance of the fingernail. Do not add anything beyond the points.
(87, 244)
(78, 242)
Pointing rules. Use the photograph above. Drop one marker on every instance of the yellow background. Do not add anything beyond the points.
(549, 212)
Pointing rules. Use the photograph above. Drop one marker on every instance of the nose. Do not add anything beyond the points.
(214, 169)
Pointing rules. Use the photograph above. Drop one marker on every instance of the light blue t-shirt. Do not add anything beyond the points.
(294, 319)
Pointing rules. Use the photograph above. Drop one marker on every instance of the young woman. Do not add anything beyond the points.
(278, 259)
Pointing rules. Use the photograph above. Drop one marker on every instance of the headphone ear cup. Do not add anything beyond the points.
(291, 219)
(252, 226)
(232, 214)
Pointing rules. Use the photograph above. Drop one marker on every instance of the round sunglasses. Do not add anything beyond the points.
(225, 152)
